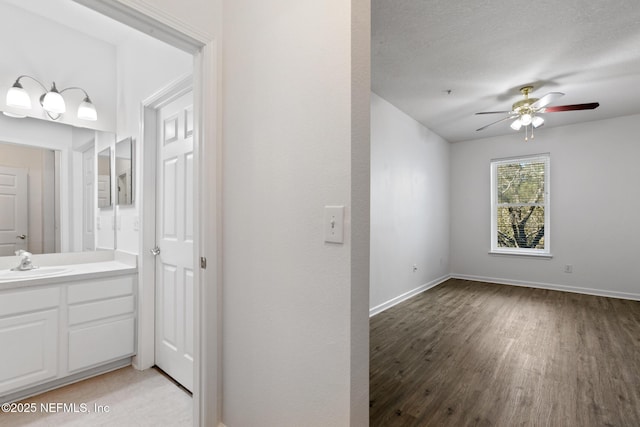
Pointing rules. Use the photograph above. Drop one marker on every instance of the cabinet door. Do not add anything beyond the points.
(29, 350)
(102, 343)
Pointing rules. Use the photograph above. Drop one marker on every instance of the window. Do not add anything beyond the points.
(520, 205)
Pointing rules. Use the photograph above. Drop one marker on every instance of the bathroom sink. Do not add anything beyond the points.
(10, 275)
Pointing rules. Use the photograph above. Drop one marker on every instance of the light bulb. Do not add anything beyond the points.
(537, 121)
(87, 111)
(526, 119)
(516, 125)
(18, 97)
(53, 101)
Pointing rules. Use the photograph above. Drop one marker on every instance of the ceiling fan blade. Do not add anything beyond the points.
(494, 112)
(498, 121)
(573, 107)
(546, 100)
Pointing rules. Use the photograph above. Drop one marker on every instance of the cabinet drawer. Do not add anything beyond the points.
(15, 302)
(29, 352)
(100, 289)
(97, 344)
(90, 311)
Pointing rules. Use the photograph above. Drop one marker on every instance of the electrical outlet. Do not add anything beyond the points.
(568, 268)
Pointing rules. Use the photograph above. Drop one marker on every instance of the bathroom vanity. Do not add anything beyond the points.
(73, 317)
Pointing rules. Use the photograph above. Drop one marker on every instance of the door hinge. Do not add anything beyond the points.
(203, 262)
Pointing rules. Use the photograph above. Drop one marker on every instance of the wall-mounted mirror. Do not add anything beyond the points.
(104, 178)
(28, 195)
(125, 162)
(60, 164)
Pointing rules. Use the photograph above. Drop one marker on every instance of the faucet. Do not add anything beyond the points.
(25, 262)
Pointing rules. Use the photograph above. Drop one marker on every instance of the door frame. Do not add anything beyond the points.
(150, 19)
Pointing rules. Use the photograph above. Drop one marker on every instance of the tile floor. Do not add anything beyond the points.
(123, 398)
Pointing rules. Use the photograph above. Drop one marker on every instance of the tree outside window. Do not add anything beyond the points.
(520, 195)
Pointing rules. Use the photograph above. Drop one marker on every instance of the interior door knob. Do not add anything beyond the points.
(21, 236)
(155, 251)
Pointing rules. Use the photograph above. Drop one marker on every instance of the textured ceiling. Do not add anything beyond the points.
(485, 50)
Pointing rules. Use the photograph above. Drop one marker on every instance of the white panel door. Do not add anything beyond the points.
(174, 238)
(88, 203)
(13, 210)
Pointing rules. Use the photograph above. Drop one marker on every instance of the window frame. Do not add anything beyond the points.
(495, 249)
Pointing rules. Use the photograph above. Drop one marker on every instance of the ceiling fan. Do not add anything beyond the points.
(526, 112)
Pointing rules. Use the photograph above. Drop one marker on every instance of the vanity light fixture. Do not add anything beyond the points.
(51, 100)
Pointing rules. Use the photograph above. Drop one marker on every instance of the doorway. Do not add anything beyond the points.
(13, 210)
(152, 19)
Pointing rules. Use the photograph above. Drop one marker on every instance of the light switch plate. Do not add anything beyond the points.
(334, 224)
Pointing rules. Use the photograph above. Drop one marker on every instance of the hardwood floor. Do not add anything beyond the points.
(125, 397)
(477, 354)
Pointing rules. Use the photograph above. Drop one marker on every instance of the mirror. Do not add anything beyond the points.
(27, 199)
(61, 174)
(124, 172)
(104, 178)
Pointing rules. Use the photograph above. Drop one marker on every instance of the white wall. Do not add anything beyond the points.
(52, 52)
(291, 347)
(594, 207)
(409, 206)
(294, 100)
(144, 66)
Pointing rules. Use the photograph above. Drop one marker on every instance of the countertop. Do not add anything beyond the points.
(81, 267)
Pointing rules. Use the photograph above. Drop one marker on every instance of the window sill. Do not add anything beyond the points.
(522, 254)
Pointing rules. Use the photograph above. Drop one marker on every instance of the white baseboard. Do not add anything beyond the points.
(550, 286)
(397, 300)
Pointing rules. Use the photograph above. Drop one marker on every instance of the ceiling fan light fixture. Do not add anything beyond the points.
(526, 119)
(516, 124)
(537, 121)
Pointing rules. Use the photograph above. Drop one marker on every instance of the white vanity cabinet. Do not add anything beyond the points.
(55, 333)
(101, 321)
(28, 337)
